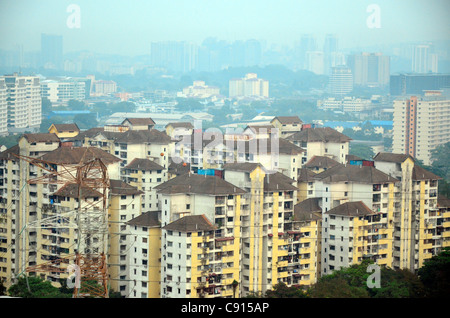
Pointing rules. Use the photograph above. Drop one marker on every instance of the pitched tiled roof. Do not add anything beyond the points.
(187, 125)
(353, 173)
(41, 137)
(142, 136)
(139, 121)
(179, 168)
(241, 166)
(305, 175)
(308, 209)
(199, 184)
(277, 181)
(321, 162)
(191, 223)
(66, 127)
(351, 209)
(288, 119)
(118, 187)
(71, 190)
(10, 152)
(148, 219)
(391, 157)
(76, 155)
(420, 173)
(323, 134)
(143, 164)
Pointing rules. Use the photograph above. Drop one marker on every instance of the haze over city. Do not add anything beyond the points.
(122, 27)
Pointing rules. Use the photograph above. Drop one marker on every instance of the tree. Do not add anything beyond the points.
(76, 105)
(35, 287)
(85, 121)
(281, 290)
(361, 150)
(352, 282)
(435, 274)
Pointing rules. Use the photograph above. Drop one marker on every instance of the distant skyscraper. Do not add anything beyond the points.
(416, 84)
(52, 51)
(314, 62)
(424, 60)
(307, 44)
(369, 69)
(421, 124)
(177, 56)
(341, 81)
(253, 53)
(330, 48)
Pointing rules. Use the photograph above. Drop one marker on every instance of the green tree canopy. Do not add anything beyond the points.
(435, 275)
(38, 288)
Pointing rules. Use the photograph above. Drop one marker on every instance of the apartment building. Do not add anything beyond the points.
(145, 175)
(287, 125)
(61, 91)
(24, 102)
(124, 206)
(268, 233)
(3, 108)
(421, 124)
(213, 205)
(249, 86)
(377, 191)
(417, 219)
(144, 257)
(27, 200)
(64, 131)
(323, 141)
(129, 144)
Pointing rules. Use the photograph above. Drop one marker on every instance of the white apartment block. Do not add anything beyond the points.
(24, 102)
(61, 91)
(421, 124)
(3, 108)
(249, 86)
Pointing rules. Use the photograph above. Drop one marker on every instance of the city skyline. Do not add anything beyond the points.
(116, 28)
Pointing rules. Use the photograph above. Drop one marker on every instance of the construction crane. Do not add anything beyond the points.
(90, 220)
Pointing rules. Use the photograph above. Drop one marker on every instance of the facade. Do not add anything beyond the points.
(421, 124)
(64, 130)
(287, 125)
(369, 69)
(24, 102)
(200, 90)
(424, 60)
(341, 81)
(417, 84)
(60, 91)
(418, 232)
(249, 86)
(322, 141)
(3, 108)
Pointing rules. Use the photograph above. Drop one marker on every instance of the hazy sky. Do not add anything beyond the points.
(128, 27)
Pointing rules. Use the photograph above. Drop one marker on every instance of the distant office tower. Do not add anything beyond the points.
(424, 60)
(3, 108)
(307, 44)
(24, 102)
(177, 56)
(103, 88)
(249, 86)
(341, 81)
(330, 48)
(416, 84)
(253, 53)
(369, 69)
(421, 124)
(52, 51)
(60, 91)
(314, 62)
